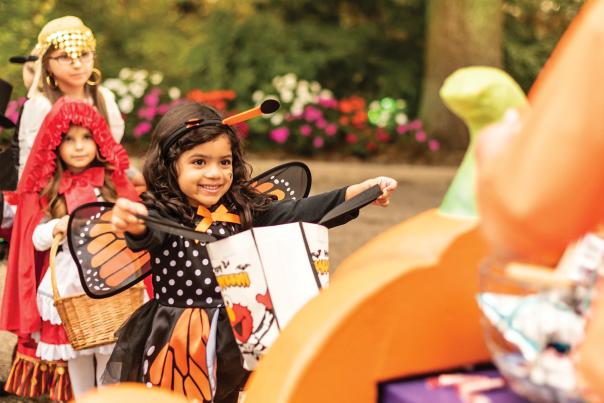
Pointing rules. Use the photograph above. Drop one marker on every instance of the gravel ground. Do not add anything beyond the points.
(420, 188)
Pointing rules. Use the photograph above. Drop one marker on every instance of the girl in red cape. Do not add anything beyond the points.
(74, 160)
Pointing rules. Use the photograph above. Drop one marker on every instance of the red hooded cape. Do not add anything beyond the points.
(19, 313)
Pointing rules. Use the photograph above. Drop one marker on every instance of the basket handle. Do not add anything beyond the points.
(56, 241)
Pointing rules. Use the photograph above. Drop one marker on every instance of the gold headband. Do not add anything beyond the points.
(72, 42)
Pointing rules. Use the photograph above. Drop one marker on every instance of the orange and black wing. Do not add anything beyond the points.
(105, 263)
(289, 181)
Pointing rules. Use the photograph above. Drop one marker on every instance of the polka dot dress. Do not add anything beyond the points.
(182, 274)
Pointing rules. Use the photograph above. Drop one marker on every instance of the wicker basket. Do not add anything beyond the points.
(92, 322)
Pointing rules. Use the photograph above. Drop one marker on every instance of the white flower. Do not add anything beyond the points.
(374, 105)
(277, 82)
(257, 96)
(126, 104)
(315, 87)
(174, 93)
(303, 86)
(287, 96)
(111, 83)
(121, 89)
(156, 78)
(289, 80)
(297, 108)
(125, 73)
(401, 118)
(137, 89)
(140, 75)
(326, 94)
(276, 119)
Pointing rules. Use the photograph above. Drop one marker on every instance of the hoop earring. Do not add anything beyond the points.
(50, 80)
(96, 80)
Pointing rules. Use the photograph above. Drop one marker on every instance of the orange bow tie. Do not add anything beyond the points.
(220, 214)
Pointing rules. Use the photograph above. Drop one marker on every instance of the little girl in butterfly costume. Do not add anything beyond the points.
(196, 175)
(74, 160)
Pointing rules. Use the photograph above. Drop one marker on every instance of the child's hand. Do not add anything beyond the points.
(125, 218)
(61, 227)
(388, 186)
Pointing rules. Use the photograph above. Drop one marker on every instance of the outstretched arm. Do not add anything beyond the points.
(388, 186)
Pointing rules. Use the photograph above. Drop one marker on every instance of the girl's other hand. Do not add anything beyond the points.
(125, 218)
(387, 184)
(61, 227)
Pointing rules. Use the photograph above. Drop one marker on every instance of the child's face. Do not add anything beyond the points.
(77, 149)
(205, 172)
(68, 72)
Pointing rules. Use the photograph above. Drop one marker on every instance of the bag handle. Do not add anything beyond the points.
(354, 203)
(56, 241)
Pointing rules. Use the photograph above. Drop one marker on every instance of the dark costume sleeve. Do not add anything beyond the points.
(150, 239)
(309, 209)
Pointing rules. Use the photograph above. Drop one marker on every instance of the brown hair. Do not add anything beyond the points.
(55, 93)
(163, 192)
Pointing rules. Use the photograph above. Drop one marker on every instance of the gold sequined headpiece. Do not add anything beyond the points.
(68, 34)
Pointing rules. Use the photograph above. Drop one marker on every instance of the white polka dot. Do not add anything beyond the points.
(174, 244)
(217, 289)
(188, 263)
(81, 242)
(187, 243)
(203, 244)
(222, 231)
(166, 252)
(149, 384)
(189, 283)
(180, 273)
(195, 253)
(150, 351)
(165, 271)
(198, 272)
(198, 291)
(163, 289)
(205, 262)
(291, 193)
(170, 301)
(209, 231)
(207, 280)
(286, 183)
(276, 181)
(157, 260)
(79, 252)
(209, 300)
(157, 278)
(189, 301)
(82, 235)
(145, 366)
(157, 296)
(181, 253)
(172, 263)
(179, 292)
(171, 282)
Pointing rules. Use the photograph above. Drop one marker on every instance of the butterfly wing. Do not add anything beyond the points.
(289, 181)
(105, 263)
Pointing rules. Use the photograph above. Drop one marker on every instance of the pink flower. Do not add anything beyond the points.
(421, 136)
(351, 138)
(402, 129)
(318, 142)
(321, 123)
(162, 109)
(305, 130)
(331, 130)
(433, 145)
(328, 103)
(415, 124)
(279, 135)
(141, 128)
(152, 98)
(311, 114)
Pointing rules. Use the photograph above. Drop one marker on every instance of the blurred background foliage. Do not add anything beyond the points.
(366, 48)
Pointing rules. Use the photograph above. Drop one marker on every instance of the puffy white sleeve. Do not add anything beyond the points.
(116, 122)
(42, 237)
(34, 112)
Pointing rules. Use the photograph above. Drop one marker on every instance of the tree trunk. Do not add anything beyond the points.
(459, 33)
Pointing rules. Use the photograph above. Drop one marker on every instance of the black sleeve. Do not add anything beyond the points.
(150, 239)
(310, 209)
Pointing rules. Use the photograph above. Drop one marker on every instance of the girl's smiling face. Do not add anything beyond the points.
(77, 148)
(205, 172)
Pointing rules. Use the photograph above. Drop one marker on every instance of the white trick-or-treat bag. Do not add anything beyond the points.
(267, 274)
